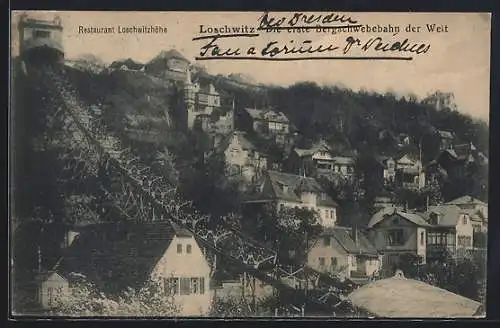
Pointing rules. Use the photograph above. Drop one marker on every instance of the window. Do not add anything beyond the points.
(331, 214)
(41, 34)
(434, 218)
(188, 249)
(395, 237)
(464, 220)
(333, 261)
(202, 285)
(195, 285)
(179, 248)
(50, 295)
(422, 234)
(464, 241)
(326, 241)
(185, 286)
(321, 261)
(172, 286)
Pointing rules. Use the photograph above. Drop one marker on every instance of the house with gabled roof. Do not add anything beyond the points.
(242, 158)
(321, 160)
(461, 159)
(346, 251)
(450, 228)
(171, 64)
(477, 210)
(117, 256)
(446, 139)
(127, 65)
(395, 232)
(401, 170)
(290, 190)
(51, 288)
(267, 123)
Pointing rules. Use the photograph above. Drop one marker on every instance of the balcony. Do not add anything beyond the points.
(357, 274)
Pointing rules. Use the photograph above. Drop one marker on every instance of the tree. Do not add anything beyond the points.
(86, 300)
(287, 229)
(464, 275)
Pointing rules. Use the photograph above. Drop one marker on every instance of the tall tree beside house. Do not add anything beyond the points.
(411, 198)
(465, 276)
(288, 229)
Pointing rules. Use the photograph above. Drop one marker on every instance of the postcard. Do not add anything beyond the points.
(249, 164)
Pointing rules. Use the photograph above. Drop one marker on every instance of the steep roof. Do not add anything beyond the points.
(130, 63)
(319, 146)
(343, 235)
(119, 255)
(445, 134)
(388, 211)
(268, 115)
(294, 185)
(344, 160)
(241, 138)
(449, 214)
(401, 297)
(466, 200)
(172, 53)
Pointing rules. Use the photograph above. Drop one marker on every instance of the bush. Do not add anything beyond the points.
(86, 300)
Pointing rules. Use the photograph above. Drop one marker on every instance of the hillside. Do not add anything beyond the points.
(351, 122)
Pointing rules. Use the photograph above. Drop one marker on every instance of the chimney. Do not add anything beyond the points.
(39, 259)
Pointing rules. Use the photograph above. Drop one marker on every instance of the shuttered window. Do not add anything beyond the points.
(171, 286)
(185, 286)
(202, 285)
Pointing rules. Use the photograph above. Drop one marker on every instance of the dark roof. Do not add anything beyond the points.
(390, 211)
(319, 146)
(343, 235)
(449, 214)
(242, 140)
(466, 200)
(466, 152)
(172, 53)
(129, 63)
(119, 255)
(294, 184)
(445, 134)
(267, 115)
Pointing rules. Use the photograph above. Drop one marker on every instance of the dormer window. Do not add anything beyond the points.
(434, 219)
(323, 196)
(283, 187)
(41, 34)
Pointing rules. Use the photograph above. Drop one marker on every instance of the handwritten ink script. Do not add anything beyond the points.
(302, 36)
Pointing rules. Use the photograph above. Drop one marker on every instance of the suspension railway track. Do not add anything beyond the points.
(140, 194)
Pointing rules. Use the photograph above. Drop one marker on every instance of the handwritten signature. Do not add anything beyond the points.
(378, 44)
(267, 22)
(213, 49)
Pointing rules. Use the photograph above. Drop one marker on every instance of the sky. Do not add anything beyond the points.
(457, 61)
